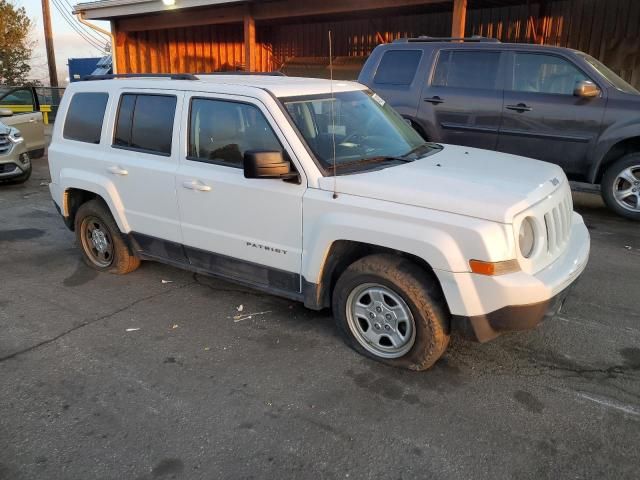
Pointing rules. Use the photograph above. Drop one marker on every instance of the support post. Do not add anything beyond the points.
(459, 18)
(48, 41)
(249, 42)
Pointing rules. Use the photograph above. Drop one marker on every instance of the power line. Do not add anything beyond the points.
(89, 39)
(94, 33)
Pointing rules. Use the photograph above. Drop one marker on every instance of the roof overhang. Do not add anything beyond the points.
(109, 9)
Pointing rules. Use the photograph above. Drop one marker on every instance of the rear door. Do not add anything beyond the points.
(26, 117)
(542, 118)
(141, 161)
(462, 100)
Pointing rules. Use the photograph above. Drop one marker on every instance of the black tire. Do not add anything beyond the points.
(419, 291)
(611, 183)
(120, 258)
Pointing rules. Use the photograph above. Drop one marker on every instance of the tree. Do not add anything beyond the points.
(15, 47)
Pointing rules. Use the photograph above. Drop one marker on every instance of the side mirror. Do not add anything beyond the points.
(5, 112)
(586, 89)
(266, 164)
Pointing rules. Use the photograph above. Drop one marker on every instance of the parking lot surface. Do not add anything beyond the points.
(158, 375)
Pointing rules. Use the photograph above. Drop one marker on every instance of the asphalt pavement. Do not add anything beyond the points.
(158, 375)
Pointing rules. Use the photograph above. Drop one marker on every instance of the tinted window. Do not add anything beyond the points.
(145, 122)
(467, 69)
(398, 67)
(123, 123)
(22, 98)
(545, 74)
(85, 116)
(220, 131)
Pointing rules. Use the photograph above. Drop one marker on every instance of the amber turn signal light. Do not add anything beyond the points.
(494, 268)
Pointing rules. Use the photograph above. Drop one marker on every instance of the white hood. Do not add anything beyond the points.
(467, 181)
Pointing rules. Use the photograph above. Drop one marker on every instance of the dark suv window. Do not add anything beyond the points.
(545, 74)
(398, 67)
(85, 116)
(145, 122)
(467, 69)
(221, 131)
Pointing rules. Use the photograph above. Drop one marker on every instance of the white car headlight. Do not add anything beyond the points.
(15, 136)
(527, 237)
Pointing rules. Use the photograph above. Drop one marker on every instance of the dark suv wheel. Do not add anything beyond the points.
(621, 186)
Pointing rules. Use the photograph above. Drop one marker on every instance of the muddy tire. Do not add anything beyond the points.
(391, 310)
(103, 245)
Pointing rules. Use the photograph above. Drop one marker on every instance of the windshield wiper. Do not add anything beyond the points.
(370, 160)
(414, 151)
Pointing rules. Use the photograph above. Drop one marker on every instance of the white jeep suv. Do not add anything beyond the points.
(319, 192)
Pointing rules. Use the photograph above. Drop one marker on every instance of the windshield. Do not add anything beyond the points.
(610, 75)
(364, 127)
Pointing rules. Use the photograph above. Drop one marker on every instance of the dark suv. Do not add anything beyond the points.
(550, 103)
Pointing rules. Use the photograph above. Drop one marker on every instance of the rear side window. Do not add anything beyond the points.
(221, 131)
(467, 69)
(398, 67)
(85, 117)
(145, 123)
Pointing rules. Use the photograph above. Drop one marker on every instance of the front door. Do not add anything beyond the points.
(542, 118)
(26, 117)
(461, 103)
(246, 229)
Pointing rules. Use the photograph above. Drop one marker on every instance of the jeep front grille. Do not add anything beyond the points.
(5, 143)
(558, 222)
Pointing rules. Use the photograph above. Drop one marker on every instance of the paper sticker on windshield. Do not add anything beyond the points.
(337, 130)
(378, 99)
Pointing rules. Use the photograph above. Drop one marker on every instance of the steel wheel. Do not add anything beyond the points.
(96, 241)
(626, 188)
(380, 320)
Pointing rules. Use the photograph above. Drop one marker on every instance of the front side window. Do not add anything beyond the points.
(222, 131)
(85, 117)
(397, 67)
(19, 100)
(145, 123)
(467, 69)
(363, 128)
(545, 74)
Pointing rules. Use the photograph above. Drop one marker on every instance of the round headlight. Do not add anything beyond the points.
(526, 238)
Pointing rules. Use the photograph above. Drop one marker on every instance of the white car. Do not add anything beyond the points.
(319, 192)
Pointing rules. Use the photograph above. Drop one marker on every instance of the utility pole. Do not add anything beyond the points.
(48, 40)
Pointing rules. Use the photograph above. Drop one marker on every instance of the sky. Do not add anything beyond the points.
(67, 42)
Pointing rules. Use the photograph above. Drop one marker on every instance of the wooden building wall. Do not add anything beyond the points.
(607, 29)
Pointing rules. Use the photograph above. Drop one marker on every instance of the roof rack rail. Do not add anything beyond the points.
(425, 38)
(172, 76)
(244, 72)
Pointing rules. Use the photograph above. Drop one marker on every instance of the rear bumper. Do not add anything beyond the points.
(482, 328)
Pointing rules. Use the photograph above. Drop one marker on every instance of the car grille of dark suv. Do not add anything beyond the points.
(5, 143)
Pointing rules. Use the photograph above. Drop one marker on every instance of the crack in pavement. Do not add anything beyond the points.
(90, 322)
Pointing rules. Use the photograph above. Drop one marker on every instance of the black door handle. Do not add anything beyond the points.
(521, 107)
(435, 100)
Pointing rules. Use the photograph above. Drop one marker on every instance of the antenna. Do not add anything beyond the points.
(333, 116)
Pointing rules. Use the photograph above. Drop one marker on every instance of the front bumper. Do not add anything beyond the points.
(15, 163)
(482, 328)
(483, 307)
